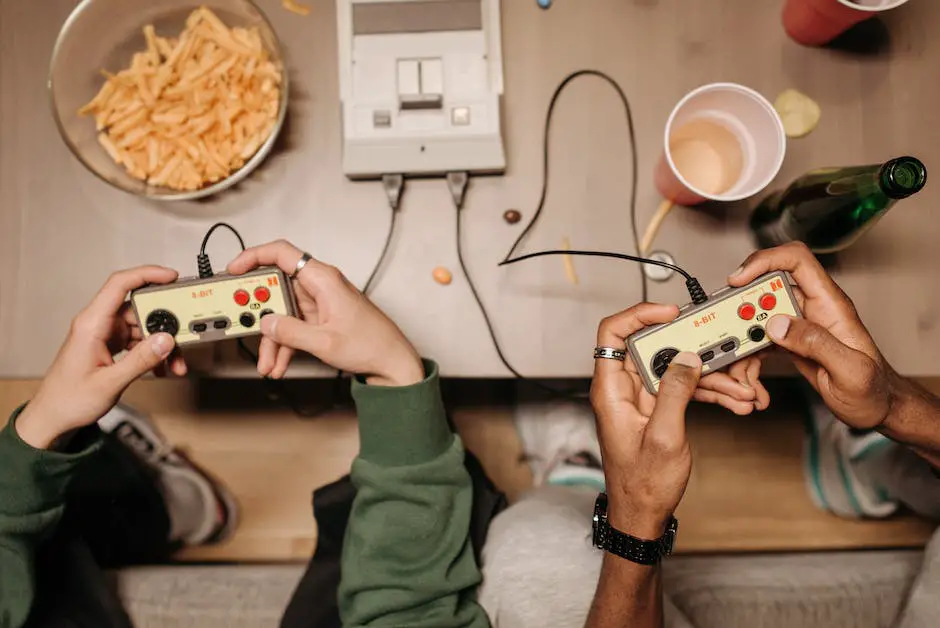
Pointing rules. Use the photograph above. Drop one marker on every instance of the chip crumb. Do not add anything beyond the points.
(800, 113)
(442, 276)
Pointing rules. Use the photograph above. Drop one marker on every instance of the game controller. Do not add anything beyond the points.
(223, 306)
(724, 329)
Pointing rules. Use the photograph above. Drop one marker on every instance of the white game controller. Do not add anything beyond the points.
(724, 329)
(215, 308)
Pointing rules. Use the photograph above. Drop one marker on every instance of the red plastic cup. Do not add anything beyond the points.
(818, 22)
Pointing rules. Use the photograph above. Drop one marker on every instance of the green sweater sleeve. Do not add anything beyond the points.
(32, 499)
(407, 558)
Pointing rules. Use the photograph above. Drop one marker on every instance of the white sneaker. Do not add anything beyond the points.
(201, 510)
(560, 442)
(840, 467)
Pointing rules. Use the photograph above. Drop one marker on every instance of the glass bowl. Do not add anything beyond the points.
(104, 35)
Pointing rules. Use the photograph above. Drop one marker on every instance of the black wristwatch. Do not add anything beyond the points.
(629, 547)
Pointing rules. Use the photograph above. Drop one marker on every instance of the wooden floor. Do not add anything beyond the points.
(746, 493)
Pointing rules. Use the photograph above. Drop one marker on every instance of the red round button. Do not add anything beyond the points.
(242, 297)
(767, 301)
(747, 311)
(262, 294)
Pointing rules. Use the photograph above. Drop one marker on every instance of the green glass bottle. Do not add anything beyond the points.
(829, 209)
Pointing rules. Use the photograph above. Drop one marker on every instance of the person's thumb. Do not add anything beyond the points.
(296, 334)
(146, 356)
(678, 384)
(813, 342)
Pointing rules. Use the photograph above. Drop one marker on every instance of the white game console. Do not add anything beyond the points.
(420, 84)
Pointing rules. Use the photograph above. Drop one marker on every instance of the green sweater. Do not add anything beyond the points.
(407, 559)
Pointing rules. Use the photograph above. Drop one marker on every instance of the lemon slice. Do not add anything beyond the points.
(799, 112)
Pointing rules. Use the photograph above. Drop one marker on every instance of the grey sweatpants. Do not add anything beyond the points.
(540, 571)
(539, 567)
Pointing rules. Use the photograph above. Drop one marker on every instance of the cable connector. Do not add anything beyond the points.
(457, 184)
(696, 291)
(394, 184)
(204, 266)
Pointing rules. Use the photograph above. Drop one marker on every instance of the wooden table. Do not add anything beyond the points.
(62, 231)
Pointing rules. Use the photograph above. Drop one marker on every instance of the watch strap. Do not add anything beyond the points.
(626, 546)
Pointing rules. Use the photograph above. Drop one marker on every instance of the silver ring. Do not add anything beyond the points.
(609, 353)
(306, 257)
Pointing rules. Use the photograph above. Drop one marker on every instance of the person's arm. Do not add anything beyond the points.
(833, 350)
(627, 595)
(647, 464)
(45, 441)
(32, 499)
(407, 558)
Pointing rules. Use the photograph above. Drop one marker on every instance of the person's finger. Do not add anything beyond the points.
(812, 341)
(111, 298)
(281, 362)
(741, 408)
(726, 384)
(144, 357)
(667, 424)
(177, 364)
(614, 330)
(126, 313)
(267, 350)
(280, 253)
(292, 332)
(762, 400)
(795, 258)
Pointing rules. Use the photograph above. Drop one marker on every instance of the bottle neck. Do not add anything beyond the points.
(902, 177)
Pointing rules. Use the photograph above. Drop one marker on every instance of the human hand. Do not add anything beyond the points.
(646, 456)
(830, 346)
(339, 324)
(85, 381)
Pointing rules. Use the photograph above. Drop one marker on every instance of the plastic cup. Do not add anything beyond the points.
(723, 142)
(818, 22)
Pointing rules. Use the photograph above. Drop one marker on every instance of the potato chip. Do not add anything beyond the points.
(799, 112)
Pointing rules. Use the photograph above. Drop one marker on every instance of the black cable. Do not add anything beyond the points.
(546, 170)
(630, 258)
(383, 254)
(202, 260)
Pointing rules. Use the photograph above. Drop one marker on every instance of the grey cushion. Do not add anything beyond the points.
(183, 596)
(828, 590)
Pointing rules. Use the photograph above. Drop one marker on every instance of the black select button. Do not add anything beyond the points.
(708, 355)
(200, 327)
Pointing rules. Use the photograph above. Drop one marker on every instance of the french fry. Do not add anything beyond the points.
(189, 110)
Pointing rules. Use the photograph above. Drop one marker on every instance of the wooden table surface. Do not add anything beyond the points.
(62, 231)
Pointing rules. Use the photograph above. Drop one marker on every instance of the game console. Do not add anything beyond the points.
(223, 306)
(724, 329)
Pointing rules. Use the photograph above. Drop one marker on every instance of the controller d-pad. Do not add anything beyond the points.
(162, 321)
(662, 359)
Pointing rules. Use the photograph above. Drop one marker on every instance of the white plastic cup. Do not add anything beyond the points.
(723, 142)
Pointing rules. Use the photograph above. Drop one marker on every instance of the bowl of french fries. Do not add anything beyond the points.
(168, 99)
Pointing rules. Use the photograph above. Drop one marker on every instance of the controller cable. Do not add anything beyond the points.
(457, 183)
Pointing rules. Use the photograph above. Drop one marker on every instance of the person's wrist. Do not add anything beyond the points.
(406, 370)
(36, 430)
